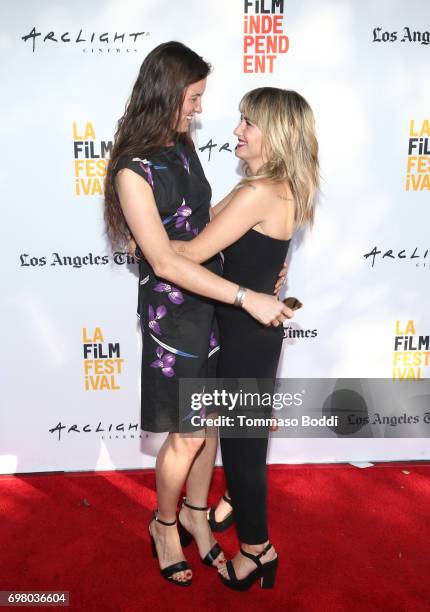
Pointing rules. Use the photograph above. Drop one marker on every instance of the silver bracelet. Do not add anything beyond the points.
(240, 296)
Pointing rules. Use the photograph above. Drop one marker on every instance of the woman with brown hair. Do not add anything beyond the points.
(155, 191)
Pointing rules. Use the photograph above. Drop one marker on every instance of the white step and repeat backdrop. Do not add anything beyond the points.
(67, 69)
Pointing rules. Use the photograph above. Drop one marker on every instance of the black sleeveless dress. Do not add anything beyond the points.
(179, 338)
(250, 349)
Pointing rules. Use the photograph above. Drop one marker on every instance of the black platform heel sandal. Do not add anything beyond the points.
(168, 571)
(186, 537)
(265, 571)
(218, 526)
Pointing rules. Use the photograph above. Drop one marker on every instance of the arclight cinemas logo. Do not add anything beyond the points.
(416, 255)
(88, 42)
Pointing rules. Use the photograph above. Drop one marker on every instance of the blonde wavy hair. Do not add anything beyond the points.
(289, 141)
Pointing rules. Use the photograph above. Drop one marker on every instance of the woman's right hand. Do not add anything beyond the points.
(265, 308)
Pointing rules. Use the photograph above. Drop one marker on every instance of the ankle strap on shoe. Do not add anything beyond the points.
(155, 517)
(227, 499)
(256, 558)
(185, 503)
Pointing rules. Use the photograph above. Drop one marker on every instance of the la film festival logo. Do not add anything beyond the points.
(103, 364)
(263, 34)
(87, 42)
(418, 164)
(90, 160)
(411, 352)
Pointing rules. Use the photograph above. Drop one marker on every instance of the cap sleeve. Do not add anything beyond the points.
(141, 166)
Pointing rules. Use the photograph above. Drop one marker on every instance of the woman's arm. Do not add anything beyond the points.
(246, 207)
(195, 251)
(218, 207)
(141, 213)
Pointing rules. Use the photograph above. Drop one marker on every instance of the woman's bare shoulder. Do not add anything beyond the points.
(269, 190)
(261, 186)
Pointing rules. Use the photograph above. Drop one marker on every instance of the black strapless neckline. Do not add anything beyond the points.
(270, 237)
(255, 260)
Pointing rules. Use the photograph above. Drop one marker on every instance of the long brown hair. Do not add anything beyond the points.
(150, 118)
(288, 126)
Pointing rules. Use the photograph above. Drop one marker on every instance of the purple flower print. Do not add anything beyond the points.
(213, 342)
(165, 361)
(146, 167)
(185, 162)
(195, 231)
(173, 293)
(213, 345)
(154, 317)
(182, 213)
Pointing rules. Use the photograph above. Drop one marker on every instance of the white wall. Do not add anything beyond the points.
(364, 95)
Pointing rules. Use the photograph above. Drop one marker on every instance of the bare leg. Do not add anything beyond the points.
(173, 464)
(223, 508)
(200, 476)
(198, 483)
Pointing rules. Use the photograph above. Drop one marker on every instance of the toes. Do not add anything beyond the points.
(223, 571)
(221, 559)
(182, 576)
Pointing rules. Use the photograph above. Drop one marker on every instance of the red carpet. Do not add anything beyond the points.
(348, 540)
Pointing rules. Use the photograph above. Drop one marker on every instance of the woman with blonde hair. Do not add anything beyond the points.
(253, 227)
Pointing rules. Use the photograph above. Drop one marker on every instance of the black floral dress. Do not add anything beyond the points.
(178, 327)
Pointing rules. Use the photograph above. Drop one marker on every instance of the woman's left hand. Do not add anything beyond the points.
(178, 246)
(281, 279)
(131, 248)
(288, 313)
